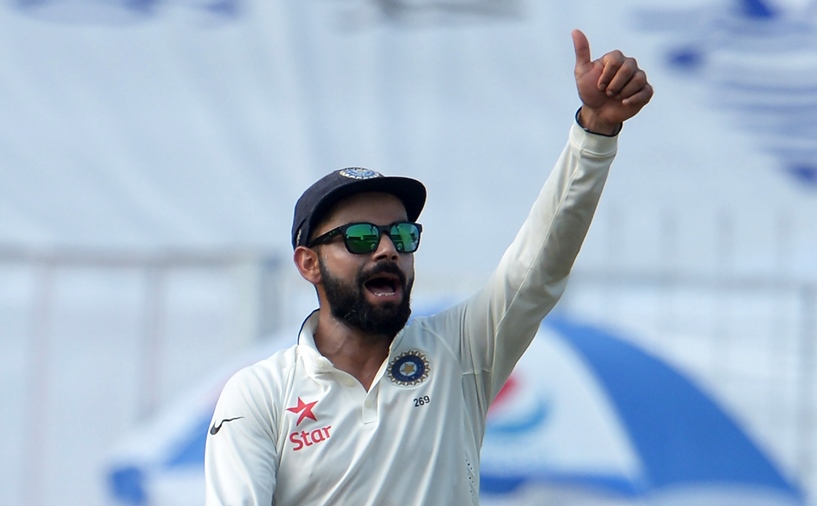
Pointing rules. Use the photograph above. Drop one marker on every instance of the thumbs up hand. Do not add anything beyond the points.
(612, 88)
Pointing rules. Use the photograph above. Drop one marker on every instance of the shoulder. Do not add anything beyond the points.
(439, 324)
(264, 375)
(433, 332)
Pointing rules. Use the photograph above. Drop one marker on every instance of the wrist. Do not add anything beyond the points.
(592, 124)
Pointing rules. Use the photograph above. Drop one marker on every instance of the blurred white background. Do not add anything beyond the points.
(151, 152)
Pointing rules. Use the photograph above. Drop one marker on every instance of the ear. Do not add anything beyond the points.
(306, 260)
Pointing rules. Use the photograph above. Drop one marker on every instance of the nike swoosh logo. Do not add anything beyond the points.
(215, 428)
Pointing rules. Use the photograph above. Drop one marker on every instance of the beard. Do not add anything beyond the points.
(348, 303)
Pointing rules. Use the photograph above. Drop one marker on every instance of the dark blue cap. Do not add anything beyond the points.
(337, 185)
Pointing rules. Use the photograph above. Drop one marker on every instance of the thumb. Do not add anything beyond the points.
(582, 47)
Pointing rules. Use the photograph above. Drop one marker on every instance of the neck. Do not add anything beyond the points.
(350, 349)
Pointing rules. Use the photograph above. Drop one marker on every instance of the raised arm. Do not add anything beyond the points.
(496, 325)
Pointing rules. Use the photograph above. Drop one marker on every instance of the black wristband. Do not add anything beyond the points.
(618, 130)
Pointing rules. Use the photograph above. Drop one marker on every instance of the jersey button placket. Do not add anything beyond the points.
(369, 411)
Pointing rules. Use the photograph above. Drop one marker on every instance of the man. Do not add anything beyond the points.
(365, 410)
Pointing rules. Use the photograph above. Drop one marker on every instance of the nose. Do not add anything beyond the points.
(385, 248)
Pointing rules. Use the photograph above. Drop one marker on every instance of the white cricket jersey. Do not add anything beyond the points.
(292, 430)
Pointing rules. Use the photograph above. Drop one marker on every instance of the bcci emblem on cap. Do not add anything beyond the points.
(410, 368)
(359, 173)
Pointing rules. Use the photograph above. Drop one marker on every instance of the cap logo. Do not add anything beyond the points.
(359, 173)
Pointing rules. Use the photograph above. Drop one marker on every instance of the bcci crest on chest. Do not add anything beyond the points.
(408, 369)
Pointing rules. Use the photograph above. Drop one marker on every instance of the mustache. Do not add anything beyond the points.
(384, 267)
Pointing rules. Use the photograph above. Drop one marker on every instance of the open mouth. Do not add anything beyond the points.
(383, 285)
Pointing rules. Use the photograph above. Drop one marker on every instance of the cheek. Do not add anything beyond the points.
(407, 266)
(341, 267)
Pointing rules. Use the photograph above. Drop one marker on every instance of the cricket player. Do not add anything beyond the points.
(366, 410)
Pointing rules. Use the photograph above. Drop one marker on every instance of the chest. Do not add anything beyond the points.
(333, 430)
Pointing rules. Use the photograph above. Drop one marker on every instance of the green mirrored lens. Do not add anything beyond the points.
(362, 238)
(406, 237)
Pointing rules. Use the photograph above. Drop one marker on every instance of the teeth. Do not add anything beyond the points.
(384, 292)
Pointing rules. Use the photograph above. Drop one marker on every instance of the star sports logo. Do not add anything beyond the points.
(305, 438)
(305, 410)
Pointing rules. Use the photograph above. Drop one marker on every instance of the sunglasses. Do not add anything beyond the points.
(363, 238)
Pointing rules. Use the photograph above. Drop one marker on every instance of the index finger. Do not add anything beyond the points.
(582, 47)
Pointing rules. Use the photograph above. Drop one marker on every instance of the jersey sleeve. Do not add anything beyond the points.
(241, 455)
(497, 324)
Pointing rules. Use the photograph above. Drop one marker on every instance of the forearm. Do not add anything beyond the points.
(532, 275)
(548, 242)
